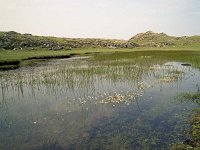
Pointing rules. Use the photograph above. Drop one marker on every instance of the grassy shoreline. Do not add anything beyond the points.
(11, 59)
(10, 55)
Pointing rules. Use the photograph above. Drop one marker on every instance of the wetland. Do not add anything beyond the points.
(115, 100)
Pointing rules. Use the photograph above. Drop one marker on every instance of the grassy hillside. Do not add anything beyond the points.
(14, 40)
(151, 39)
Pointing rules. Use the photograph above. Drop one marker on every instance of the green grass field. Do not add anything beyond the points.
(10, 55)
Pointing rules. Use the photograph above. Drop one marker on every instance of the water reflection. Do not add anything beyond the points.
(95, 103)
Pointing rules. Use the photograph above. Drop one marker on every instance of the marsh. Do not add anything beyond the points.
(104, 101)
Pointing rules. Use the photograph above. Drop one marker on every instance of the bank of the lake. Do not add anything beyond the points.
(12, 59)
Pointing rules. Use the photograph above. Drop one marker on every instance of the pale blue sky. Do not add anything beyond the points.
(119, 19)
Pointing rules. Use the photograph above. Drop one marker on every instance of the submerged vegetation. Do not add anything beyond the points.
(102, 101)
(194, 141)
(195, 97)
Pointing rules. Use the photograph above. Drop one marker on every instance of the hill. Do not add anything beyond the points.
(151, 39)
(14, 40)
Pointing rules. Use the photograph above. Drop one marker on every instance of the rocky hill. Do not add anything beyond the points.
(151, 39)
(14, 40)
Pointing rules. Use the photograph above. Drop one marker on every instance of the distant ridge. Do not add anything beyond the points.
(151, 39)
(150, 35)
(14, 40)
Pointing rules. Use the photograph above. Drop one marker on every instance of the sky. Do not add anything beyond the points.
(118, 19)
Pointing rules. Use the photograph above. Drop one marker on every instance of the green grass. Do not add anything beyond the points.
(151, 39)
(8, 55)
(8, 58)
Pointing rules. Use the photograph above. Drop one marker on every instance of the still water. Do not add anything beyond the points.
(105, 101)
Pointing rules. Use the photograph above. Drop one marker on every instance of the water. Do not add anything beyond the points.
(106, 101)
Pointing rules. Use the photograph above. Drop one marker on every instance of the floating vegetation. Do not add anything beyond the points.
(168, 73)
(155, 67)
(168, 79)
(145, 56)
(112, 98)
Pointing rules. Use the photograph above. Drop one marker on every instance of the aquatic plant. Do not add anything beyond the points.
(194, 141)
(106, 101)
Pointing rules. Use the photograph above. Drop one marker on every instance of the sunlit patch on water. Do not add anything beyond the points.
(96, 103)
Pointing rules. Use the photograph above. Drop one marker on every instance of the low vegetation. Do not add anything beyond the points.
(14, 40)
(194, 142)
(151, 39)
(16, 47)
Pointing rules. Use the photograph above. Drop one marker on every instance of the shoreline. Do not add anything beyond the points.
(10, 59)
